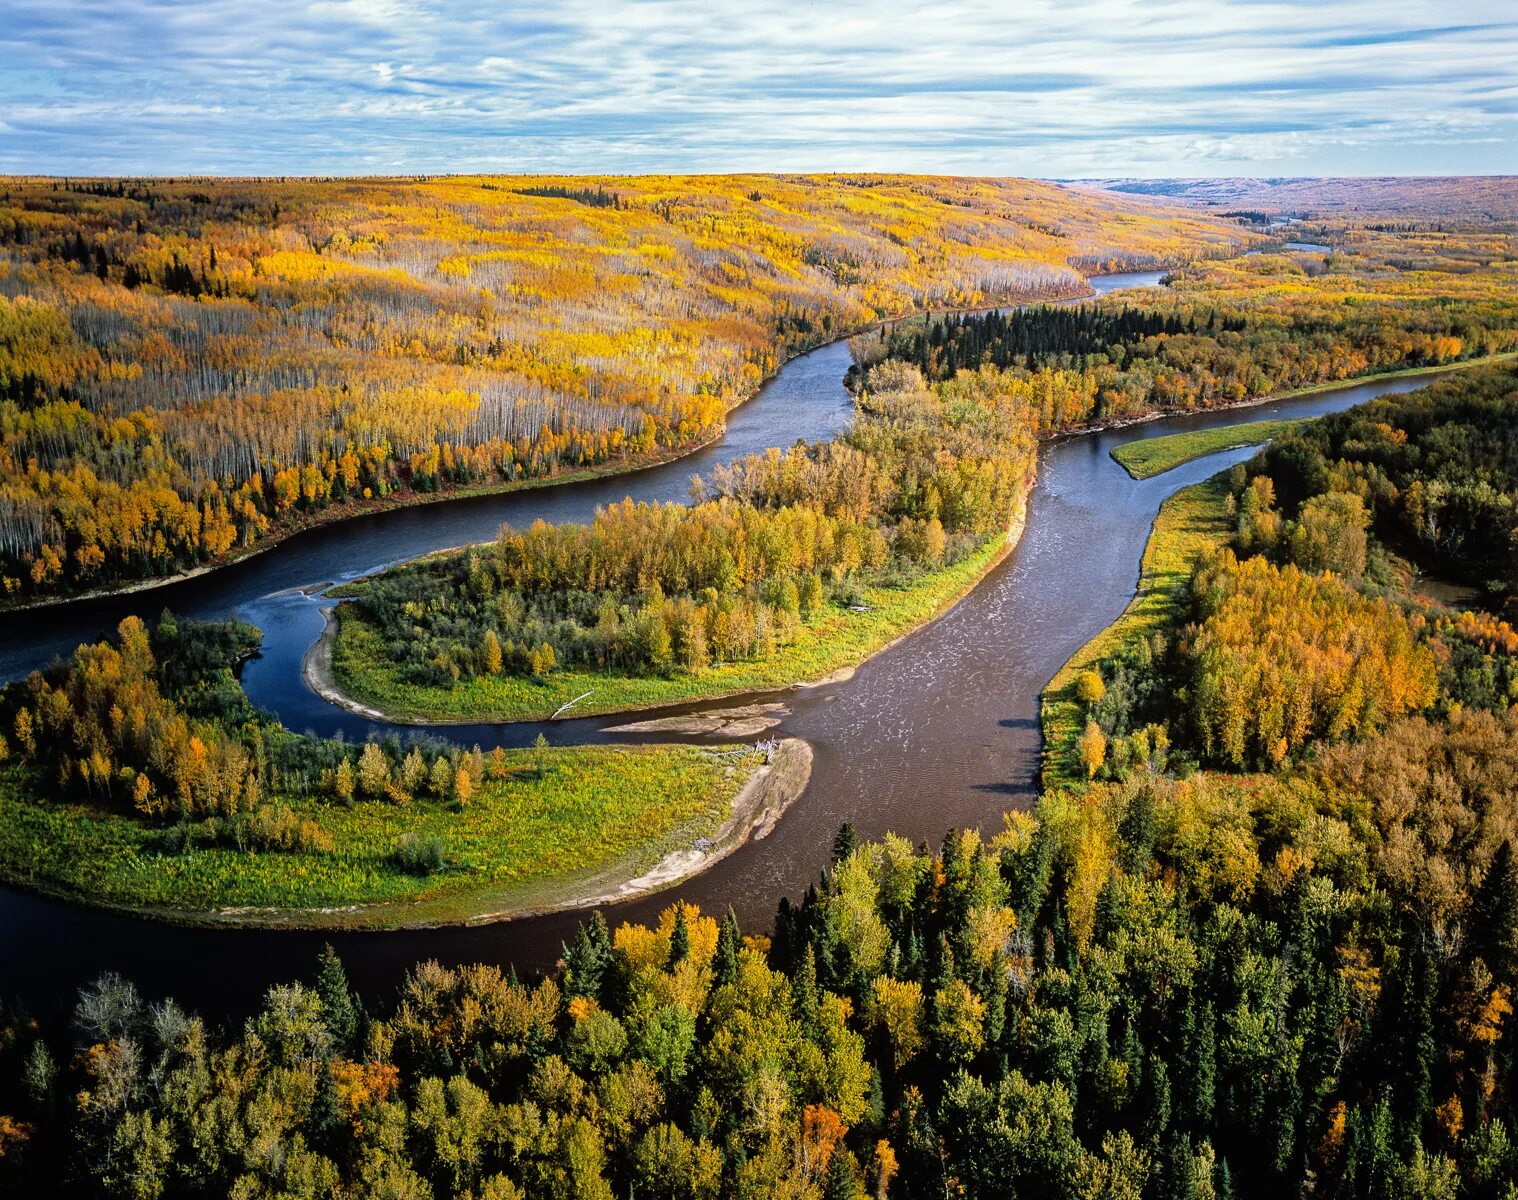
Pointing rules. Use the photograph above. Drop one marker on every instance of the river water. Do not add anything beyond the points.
(939, 731)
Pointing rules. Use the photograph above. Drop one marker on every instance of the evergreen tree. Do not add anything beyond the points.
(679, 941)
(1410, 1038)
(729, 942)
(586, 961)
(1157, 1089)
(324, 1119)
(842, 1182)
(783, 944)
(1492, 919)
(1180, 1180)
(807, 992)
(1198, 1063)
(845, 842)
(340, 1012)
(1136, 833)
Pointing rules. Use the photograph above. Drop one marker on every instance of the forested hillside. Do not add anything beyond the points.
(190, 366)
(934, 465)
(1262, 940)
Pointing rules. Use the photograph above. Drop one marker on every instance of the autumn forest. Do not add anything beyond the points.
(1245, 924)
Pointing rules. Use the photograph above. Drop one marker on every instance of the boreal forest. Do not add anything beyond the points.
(779, 601)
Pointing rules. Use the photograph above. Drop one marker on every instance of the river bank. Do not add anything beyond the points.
(1190, 523)
(347, 666)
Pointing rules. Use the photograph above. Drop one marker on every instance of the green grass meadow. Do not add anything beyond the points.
(1155, 456)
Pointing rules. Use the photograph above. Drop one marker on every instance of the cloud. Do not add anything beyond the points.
(1039, 87)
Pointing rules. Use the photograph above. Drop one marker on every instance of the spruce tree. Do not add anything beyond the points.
(842, 1181)
(845, 843)
(340, 1014)
(1492, 919)
(1137, 831)
(586, 961)
(729, 942)
(1198, 1064)
(679, 941)
(807, 993)
(324, 1119)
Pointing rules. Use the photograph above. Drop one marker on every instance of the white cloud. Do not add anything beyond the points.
(1042, 87)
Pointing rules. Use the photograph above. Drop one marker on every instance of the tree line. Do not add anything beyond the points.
(1224, 332)
(941, 346)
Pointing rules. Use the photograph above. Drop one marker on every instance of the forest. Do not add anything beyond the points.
(1313, 622)
(191, 368)
(773, 541)
(1265, 942)
(1230, 331)
(154, 722)
(1258, 936)
(1035, 336)
(1212, 987)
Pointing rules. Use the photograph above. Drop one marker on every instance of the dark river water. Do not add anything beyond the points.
(939, 731)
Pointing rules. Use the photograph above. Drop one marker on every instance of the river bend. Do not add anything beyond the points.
(939, 731)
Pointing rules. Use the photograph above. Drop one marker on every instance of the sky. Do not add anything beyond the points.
(1054, 89)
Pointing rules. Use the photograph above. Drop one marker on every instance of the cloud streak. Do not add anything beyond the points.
(1047, 88)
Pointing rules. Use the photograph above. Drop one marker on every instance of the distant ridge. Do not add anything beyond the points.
(1482, 197)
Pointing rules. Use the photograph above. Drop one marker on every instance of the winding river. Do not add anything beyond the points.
(938, 731)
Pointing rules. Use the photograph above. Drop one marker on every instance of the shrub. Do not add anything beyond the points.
(419, 855)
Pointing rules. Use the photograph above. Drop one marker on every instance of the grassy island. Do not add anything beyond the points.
(1155, 456)
(175, 797)
(352, 668)
(559, 825)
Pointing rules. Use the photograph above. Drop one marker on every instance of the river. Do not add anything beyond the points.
(939, 731)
